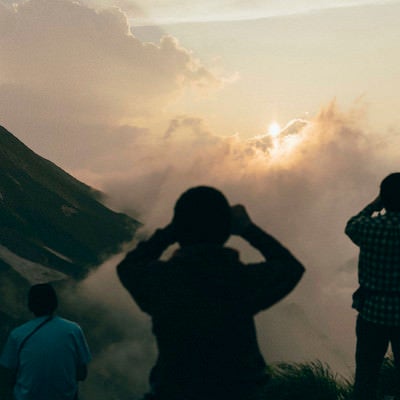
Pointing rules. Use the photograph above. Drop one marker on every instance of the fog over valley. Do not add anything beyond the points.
(293, 115)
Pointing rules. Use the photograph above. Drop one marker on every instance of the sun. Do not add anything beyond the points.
(274, 129)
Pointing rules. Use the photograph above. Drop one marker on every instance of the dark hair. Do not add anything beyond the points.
(390, 192)
(42, 299)
(202, 215)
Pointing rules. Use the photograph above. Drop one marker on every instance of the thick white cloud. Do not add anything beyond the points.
(79, 88)
(301, 187)
(66, 69)
(325, 167)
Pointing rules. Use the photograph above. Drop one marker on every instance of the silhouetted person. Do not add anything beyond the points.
(46, 356)
(377, 233)
(203, 299)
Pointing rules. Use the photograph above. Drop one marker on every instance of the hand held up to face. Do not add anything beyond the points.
(377, 203)
(240, 219)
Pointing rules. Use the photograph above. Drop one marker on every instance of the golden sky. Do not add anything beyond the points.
(143, 99)
(288, 65)
(164, 106)
(237, 66)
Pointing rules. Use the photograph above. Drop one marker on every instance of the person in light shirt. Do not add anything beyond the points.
(46, 357)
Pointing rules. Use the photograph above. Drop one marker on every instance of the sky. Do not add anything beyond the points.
(289, 109)
(160, 12)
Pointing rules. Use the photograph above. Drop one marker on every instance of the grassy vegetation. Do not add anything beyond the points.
(316, 381)
(302, 381)
(308, 381)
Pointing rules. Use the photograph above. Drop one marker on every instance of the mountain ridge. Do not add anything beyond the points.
(49, 217)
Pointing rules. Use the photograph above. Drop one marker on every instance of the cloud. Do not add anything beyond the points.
(313, 174)
(117, 332)
(67, 69)
(78, 87)
(301, 187)
(129, 7)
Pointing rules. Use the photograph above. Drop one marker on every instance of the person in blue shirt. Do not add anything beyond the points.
(47, 356)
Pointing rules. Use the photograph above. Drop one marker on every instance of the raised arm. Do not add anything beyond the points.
(133, 271)
(269, 281)
(359, 225)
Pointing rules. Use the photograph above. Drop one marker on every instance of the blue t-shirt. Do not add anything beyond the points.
(48, 360)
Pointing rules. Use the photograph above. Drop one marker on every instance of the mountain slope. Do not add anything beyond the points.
(51, 218)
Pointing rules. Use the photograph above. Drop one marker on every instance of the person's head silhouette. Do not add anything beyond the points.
(390, 192)
(42, 299)
(202, 215)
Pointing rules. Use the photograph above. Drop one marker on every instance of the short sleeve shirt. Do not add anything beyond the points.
(48, 361)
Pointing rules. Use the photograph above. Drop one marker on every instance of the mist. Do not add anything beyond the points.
(301, 187)
(80, 89)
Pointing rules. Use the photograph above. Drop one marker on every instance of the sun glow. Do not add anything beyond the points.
(286, 146)
(280, 146)
(274, 129)
(285, 141)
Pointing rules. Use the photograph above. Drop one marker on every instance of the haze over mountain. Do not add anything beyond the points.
(144, 112)
(52, 226)
(49, 217)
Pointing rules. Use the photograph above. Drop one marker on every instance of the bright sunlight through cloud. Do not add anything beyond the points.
(274, 129)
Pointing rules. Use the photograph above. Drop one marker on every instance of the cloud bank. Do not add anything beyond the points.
(301, 187)
(79, 88)
(72, 74)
